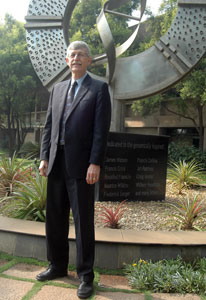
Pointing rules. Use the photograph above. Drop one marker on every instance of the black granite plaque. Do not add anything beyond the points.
(135, 168)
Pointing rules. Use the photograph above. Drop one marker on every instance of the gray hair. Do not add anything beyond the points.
(76, 45)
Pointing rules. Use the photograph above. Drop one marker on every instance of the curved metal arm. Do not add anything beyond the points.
(106, 35)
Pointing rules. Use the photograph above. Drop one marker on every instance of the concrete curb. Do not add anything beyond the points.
(113, 246)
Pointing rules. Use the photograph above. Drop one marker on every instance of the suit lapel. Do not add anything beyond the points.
(63, 97)
(80, 95)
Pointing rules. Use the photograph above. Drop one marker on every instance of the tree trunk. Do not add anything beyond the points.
(11, 133)
(201, 128)
(9, 130)
(18, 134)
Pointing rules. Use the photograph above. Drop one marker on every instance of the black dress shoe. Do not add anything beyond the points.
(85, 290)
(51, 273)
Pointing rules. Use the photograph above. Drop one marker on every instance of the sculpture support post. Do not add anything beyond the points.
(117, 122)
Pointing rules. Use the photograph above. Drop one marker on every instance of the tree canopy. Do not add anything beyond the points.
(18, 82)
(188, 96)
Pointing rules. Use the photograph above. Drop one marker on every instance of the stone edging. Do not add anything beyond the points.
(113, 246)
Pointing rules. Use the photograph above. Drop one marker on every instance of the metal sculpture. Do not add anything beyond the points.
(138, 76)
(106, 35)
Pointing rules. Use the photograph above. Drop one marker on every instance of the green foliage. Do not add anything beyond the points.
(189, 96)
(18, 82)
(177, 152)
(12, 170)
(194, 85)
(147, 106)
(184, 174)
(159, 25)
(188, 211)
(28, 201)
(168, 276)
(193, 94)
(152, 33)
(111, 218)
(168, 8)
(33, 150)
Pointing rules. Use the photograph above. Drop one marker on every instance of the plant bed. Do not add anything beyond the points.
(152, 215)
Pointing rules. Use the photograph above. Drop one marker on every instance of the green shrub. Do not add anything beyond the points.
(188, 211)
(12, 170)
(30, 149)
(28, 201)
(185, 174)
(177, 152)
(168, 276)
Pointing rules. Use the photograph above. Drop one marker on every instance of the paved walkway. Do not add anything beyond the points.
(17, 282)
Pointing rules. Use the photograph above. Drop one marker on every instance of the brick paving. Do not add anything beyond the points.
(17, 282)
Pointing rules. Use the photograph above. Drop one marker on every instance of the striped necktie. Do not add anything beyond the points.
(70, 98)
(71, 93)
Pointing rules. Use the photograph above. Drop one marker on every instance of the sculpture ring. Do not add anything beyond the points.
(147, 73)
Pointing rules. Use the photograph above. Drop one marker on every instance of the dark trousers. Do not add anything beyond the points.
(62, 193)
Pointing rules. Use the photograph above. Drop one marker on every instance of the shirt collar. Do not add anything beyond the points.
(80, 80)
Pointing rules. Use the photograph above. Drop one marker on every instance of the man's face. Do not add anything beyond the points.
(78, 61)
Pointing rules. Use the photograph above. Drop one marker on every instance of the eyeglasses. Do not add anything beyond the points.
(78, 55)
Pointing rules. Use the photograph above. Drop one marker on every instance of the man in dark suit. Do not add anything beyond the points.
(72, 152)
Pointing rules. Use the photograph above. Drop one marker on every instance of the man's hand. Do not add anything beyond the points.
(93, 174)
(43, 168)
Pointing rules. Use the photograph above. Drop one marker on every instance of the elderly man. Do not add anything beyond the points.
(72, 152)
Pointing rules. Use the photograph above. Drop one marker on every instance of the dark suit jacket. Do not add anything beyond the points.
(86, 128)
